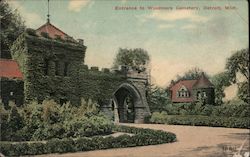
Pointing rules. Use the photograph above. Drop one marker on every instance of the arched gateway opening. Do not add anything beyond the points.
(125, 101)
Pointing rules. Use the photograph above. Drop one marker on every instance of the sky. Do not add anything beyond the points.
(176, 39)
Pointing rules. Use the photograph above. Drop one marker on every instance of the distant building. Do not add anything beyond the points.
(11, 82)
(187, 91)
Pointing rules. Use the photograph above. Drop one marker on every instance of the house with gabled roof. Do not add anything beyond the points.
(188, 91)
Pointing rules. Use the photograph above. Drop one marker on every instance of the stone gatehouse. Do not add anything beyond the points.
(52, 67)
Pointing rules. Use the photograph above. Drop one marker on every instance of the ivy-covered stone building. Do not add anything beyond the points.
(52, 67)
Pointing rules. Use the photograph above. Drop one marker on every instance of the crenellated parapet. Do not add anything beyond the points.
(53, 68)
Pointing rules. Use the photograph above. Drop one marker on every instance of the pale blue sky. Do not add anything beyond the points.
(176, 40)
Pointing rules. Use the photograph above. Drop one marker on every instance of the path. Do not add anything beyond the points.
(192, 142)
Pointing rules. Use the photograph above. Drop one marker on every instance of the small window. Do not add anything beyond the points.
(46, 67)
(57, 68)
(66, 66)
(199, 95)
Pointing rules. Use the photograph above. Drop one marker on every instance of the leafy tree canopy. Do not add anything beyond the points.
(11, 27)
(137, 59)
(191, 74)
(220, 81)
(238, 63)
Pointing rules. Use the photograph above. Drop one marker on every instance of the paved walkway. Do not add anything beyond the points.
(192, 142)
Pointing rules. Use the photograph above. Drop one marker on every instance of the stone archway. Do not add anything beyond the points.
(128, 104)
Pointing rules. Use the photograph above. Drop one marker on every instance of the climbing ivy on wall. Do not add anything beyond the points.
(11, 90)
(35, 53)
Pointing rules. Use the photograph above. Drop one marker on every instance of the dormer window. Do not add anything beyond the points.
(183, 92)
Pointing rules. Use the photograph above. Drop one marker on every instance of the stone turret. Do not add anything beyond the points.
(204, 90)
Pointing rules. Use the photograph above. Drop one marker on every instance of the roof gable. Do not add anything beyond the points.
(52, 30)
(9, 69)
(203, 82)
(188, 84)
(183, 88)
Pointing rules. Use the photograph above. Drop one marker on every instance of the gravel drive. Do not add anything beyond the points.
(192, 141)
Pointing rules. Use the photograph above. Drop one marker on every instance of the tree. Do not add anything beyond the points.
(220, 82)
(15, 122)
(11, 27)
(191, 74)
(238, 63)
(137, 59)
(158, 98)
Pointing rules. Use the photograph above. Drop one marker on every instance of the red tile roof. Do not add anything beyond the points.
(9, 69)
(203, 82)
(52, 30)
(188, 84)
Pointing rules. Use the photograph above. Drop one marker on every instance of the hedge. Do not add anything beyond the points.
(196, 120)
(141, 137)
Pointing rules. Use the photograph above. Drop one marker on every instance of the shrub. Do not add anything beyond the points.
(214, 121)
(141, 137)
(50, 120)
(158, 117)
(31, 32)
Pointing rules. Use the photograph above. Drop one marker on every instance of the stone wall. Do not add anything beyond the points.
(54, 69)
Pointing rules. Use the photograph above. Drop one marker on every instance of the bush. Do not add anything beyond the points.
(158, 117)
(141, 137)
(50, 120)
(233, 108)
(213, 121)
(31, 32)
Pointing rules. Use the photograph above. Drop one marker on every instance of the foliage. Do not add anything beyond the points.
(11, 27)
(50, 120)
(11, 85)
(214, 121)
(243, 91)
(158, 117)
(14, 120)
(157, 98)
(191, 74)
(140, 137)
(220, 82)
(233, 108)
(79, 82)
(239, 63)
(137, 59)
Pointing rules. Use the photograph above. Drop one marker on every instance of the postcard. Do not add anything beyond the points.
(124, 78)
